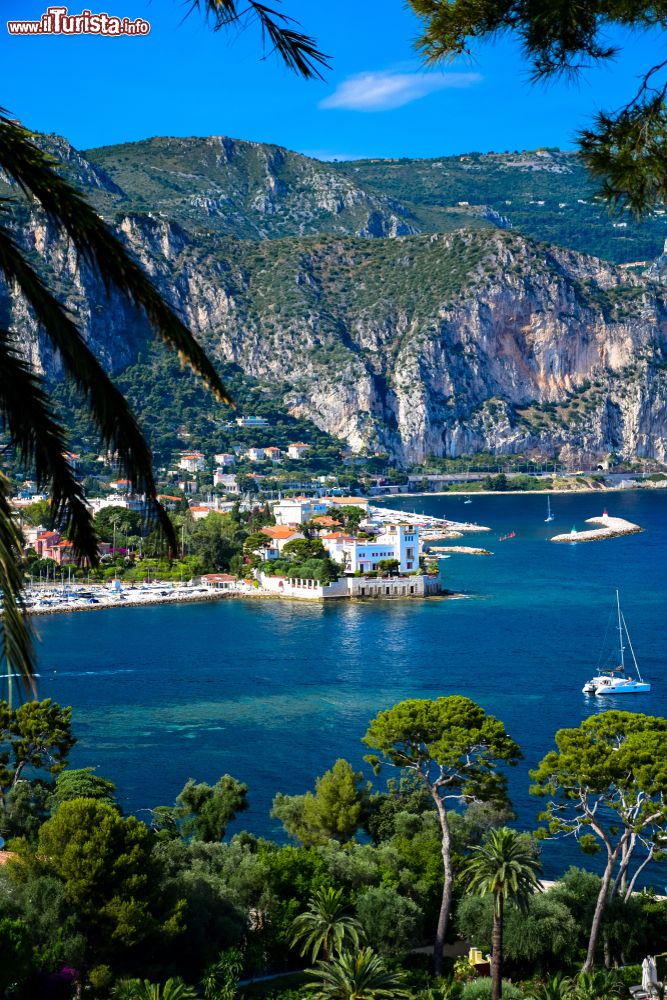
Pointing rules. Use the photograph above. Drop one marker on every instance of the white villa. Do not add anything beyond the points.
(192, 461)
(396, 541)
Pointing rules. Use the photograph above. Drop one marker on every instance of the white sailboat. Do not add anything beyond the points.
(549, 518)
(613, 681)
(467, 500)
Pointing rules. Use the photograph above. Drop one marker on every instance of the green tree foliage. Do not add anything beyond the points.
(453, 749)
(624, 147)
(16, 951)
(504, 867)
(143, 989)
(349, 515)
(82, 783)
(391, 923)
(335, 811)
(127, 522)
(544, 936)
(605, 784)
(36, 735)
(221, 978)
(361, 975)
(104, 863)
(37, 513)
(205, 811)
(326, 927)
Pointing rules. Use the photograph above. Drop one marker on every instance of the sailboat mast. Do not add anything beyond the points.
(620, 631)
(634, 658)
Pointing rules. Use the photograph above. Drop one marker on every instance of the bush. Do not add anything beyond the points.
(391, 922)
(480, 989)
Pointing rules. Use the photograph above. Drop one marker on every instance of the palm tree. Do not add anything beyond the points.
(143, 989)
(326, 926)
(38, 438)
(360, 975)
(505, 867)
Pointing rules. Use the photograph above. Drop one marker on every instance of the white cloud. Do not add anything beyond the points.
(384, 90)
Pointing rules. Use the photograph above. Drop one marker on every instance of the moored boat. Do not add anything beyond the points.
(613, 680)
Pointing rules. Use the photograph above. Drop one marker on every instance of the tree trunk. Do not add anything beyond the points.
(599, 911)
(447, 884)
(497, 950)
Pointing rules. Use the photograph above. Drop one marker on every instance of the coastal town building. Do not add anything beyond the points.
(273, 454)
(224, 459)
(255, 454)
(226, 480)
(297, 450)
(192, 461)
(399, 542)
(252, 422)
(353, 587)
(298, 510)
(280, 535)
(219, 581)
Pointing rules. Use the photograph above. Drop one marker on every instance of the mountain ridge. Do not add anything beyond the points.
(412, 344)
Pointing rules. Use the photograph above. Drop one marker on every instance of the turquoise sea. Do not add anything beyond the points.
(274, 692)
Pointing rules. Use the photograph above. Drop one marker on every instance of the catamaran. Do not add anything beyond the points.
(549, 516)
(612, 680)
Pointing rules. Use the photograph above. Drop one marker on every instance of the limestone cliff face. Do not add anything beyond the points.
(422, 345)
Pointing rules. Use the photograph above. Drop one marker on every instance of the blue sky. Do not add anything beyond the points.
(377, 100)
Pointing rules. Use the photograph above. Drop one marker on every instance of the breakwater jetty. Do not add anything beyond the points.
(466, 550)
(610, 527)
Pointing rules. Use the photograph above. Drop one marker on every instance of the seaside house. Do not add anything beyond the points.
(273, 454)
(226, 480)
(219, 581)
(298, 510)
(255, 454)
(192, 461)
(121, 485)
(199, 512)
(280, 535)
(297, 450)
(396, 541)
(224, 459)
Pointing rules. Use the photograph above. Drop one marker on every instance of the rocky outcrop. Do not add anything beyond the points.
(415, 346)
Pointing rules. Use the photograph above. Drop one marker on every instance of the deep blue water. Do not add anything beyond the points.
(273, 692)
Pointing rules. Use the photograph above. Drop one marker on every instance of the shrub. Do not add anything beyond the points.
(480, 989)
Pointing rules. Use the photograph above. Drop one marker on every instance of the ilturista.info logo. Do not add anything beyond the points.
(58, 21)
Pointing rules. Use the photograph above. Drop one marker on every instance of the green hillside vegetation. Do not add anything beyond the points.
(177, 413)
(513, 185)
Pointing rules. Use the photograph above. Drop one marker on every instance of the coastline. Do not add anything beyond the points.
(506, 493)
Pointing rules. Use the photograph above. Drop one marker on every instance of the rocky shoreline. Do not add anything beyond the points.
(612, 527)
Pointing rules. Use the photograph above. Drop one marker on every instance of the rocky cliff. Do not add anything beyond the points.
(418, 345)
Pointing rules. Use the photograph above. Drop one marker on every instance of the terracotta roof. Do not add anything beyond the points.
(326, 521)
(340, 536)
(219, 577)
(347, 500)
(200, 509)
(279, 531)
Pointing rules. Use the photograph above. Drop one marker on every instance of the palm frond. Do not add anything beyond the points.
(298, 51)
(17, 645)
(118, 428)
(37, 175)
(40, 442)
